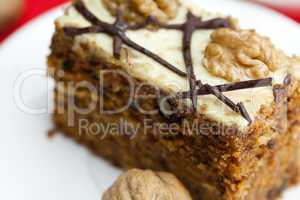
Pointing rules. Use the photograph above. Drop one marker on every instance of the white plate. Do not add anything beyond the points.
(32, 167)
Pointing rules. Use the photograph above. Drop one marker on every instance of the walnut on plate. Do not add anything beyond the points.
(146, 185)
(138, 10)
(238, 55)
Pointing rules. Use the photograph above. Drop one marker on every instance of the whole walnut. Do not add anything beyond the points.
(146, 185)
(139, 10)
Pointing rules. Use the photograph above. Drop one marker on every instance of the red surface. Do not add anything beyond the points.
(292, 12)
(33, 8)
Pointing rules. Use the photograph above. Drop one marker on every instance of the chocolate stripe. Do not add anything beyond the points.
(155, 57)
(233, 86)
(188, 30)
(89, 16)
(117, 47)
(244, 112)
(72, 32)
(213, 24)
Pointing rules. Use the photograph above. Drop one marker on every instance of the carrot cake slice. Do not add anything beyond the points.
(165, 85)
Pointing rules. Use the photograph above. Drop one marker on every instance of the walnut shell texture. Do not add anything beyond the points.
(146, 185)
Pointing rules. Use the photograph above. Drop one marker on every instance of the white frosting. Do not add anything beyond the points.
(168, 44)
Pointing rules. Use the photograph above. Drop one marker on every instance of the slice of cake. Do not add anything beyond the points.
(164, 85)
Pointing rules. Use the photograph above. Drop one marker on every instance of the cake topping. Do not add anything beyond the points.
(192, 24)
(217, 92)
(238, 55)
(139, 10)
(238, 108)
(146, 185)
(118, 31)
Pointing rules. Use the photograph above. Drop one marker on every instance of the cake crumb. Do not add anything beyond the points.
(52, 133)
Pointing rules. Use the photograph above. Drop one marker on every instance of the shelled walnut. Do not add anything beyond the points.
(146, 185)
(138, 10)
(238, 55)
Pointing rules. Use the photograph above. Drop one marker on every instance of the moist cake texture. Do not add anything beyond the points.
(192, 94)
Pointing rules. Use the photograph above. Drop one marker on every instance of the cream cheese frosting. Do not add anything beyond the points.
(168, 44)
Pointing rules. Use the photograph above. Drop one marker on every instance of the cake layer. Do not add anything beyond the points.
(211, 161)
(210, 166)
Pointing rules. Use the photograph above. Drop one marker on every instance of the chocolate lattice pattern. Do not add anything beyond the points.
(118, 31)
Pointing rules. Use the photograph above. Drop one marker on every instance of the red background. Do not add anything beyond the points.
(33, 8)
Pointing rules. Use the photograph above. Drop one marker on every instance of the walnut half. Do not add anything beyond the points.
(238, 55)
(146, 185)
(138, 10)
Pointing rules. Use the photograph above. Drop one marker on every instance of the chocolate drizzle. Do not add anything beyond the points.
(238, 108)
(117, 31)
(232, 86)
(218, 90)
(193, 23)
(287, 80)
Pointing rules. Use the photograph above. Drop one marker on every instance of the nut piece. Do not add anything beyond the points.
(138, 10)
(146, 185)
(238, 55)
